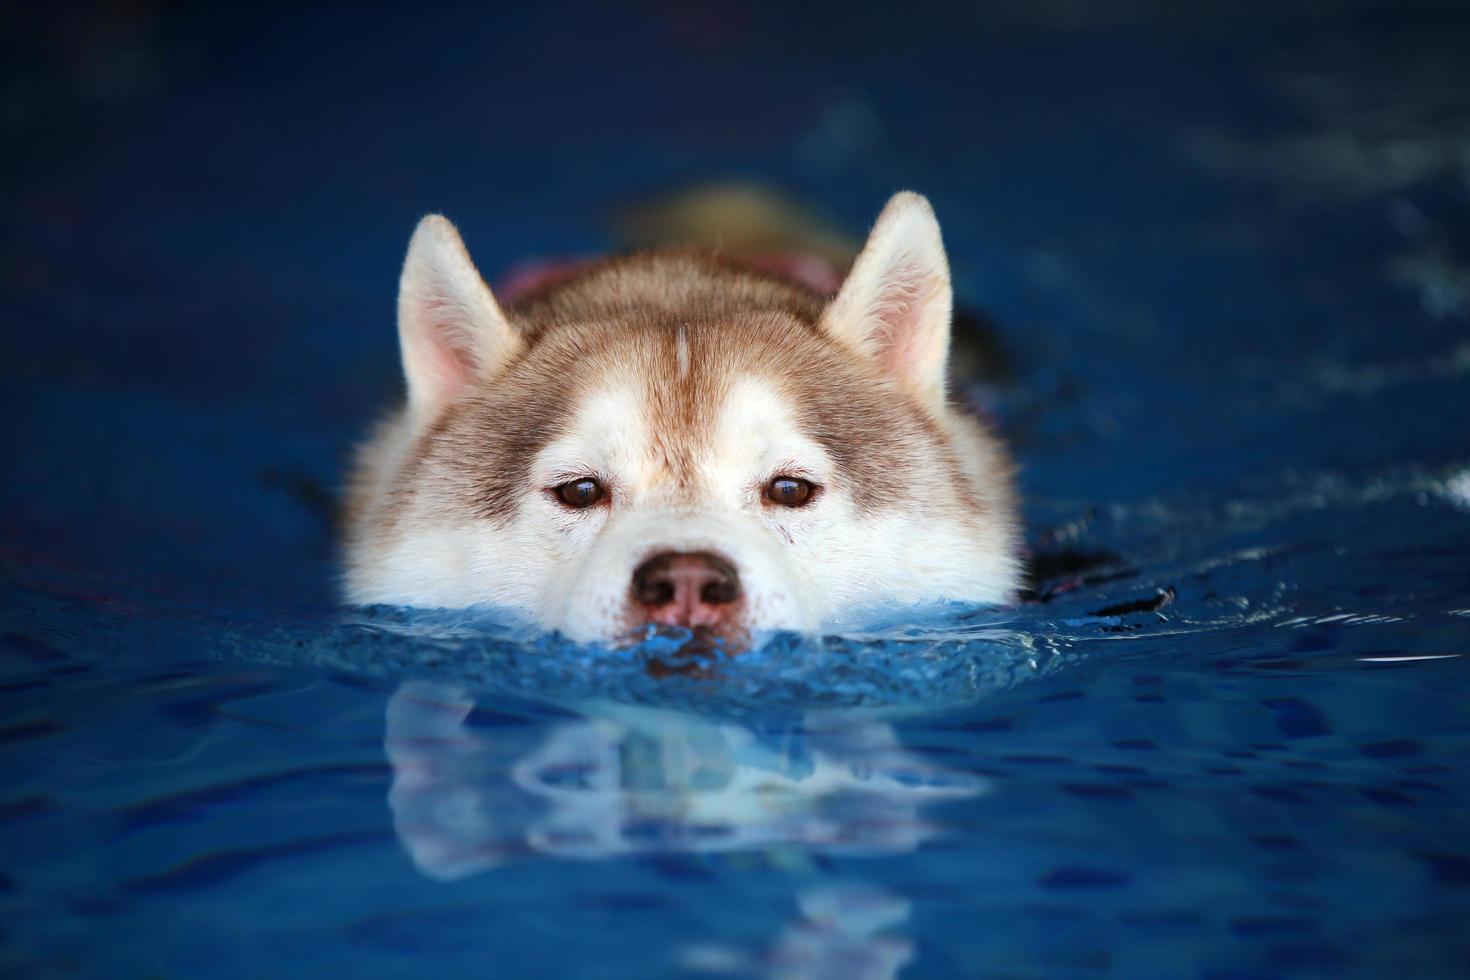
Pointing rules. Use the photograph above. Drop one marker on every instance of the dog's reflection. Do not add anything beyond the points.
(844, 932)
(468, 795)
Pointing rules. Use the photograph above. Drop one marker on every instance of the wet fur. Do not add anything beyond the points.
(683, 382)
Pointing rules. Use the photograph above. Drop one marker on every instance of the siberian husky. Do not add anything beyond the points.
(678, 439)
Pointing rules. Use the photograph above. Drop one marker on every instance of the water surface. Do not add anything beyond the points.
(1226, 737)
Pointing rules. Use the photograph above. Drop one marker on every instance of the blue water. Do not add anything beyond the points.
(1229, 735)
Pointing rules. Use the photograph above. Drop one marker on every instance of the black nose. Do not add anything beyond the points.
(686, 589)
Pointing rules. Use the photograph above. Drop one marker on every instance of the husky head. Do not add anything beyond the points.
(672, 439)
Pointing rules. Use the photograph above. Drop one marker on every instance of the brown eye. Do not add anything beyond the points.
(580, 493)
(788, 491)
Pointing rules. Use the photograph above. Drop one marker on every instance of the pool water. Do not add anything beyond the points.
(1226, 735)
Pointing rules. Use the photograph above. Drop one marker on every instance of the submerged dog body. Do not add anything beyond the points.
(675, 439)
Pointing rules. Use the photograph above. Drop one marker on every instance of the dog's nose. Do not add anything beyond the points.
(680, 589)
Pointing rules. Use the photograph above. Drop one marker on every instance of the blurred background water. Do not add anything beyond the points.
(1226, 250)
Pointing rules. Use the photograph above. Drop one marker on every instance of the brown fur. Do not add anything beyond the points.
(629, 308)
(682, 382)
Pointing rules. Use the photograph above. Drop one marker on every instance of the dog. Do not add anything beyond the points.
(678, 438)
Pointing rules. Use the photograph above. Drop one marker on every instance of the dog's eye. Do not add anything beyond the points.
(580, 493)
(789, 491)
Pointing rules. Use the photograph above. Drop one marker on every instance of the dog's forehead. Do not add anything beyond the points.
(723, 396)
(687, 396)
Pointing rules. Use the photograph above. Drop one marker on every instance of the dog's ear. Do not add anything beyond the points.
(450, 329)
(895, 303)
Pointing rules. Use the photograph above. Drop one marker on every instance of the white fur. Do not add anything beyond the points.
(799, 568)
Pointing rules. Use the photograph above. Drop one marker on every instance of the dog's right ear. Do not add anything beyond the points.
(450, 329)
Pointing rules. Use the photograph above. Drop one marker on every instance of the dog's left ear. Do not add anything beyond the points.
(895, 303)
